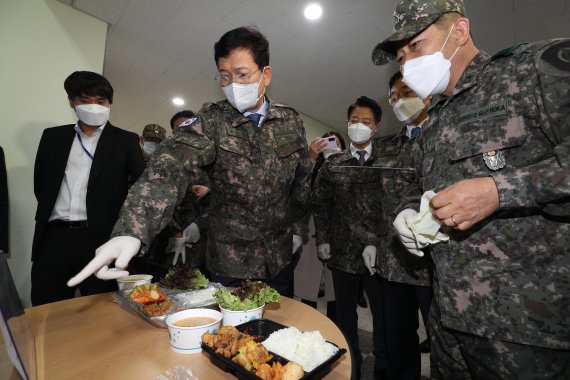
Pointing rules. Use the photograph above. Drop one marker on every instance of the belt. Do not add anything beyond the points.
(69, 223)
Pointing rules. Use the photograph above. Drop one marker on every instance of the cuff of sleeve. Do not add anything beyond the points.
(514, 188)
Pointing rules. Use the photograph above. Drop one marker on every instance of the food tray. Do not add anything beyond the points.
(260, 329)
(125, 301)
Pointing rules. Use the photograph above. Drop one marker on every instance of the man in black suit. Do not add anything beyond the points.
(81, 178)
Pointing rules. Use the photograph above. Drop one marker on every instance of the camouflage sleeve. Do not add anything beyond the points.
(546, 184)
(412, 194)
(322, 202)
(162, 186)
(301, 189)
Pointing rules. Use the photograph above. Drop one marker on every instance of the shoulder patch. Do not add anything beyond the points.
(558, 55)
(188, 122)
(506, 52)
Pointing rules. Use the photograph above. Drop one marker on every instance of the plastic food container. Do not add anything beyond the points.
(261, 329)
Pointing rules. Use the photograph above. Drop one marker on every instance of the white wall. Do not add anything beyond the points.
(43, 41)
(314, 128)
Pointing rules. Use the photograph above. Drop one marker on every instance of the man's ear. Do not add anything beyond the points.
(71, 102)
(267, 75)
(462, 30)
(377, 127)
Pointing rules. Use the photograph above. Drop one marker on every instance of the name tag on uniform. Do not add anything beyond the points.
(491, 110)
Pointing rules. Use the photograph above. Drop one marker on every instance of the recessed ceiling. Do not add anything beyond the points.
(157, 50)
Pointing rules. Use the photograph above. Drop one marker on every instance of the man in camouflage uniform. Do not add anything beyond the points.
(259, 173)
(348, 221)
(406, 279)
(153, 134)
(496, 150)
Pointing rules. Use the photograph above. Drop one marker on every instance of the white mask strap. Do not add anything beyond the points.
(445, 42)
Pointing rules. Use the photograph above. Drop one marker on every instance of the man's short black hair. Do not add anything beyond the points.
(365, 101)
(397, 76)
(185, 113)
(87, 83)
(244, 38)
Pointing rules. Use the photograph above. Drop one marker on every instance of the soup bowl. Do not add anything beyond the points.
(128, 283)
(234, 318)
(185, 329)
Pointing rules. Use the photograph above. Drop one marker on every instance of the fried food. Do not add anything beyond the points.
(277, 371)
(156, 309)
(147, 293)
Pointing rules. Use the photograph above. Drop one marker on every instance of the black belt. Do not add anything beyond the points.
(69, 223)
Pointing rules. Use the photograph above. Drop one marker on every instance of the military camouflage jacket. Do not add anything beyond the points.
(259, 187)
(394, 262)
(508, 277)
(347, 210)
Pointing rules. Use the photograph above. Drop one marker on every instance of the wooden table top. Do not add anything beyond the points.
(94, 338)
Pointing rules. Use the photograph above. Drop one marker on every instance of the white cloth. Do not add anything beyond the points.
(71, 200)
(424, 226)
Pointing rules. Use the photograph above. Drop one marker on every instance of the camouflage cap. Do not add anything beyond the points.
(410, 18)
(154, 131)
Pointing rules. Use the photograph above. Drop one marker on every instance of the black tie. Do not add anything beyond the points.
(415, 131)
(255, 117)
(361, 159)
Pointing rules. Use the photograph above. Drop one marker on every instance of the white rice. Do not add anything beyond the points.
(307, 349)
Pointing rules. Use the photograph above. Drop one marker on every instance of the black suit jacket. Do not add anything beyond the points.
(117, 164)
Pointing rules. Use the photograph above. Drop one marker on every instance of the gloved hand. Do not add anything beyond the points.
(324, 251)
(405, 233)
(369, 257)
(178, 246)
(191, 233)
(297, 242)
(120, 248)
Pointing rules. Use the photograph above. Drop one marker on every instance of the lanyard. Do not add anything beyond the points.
(83, 146)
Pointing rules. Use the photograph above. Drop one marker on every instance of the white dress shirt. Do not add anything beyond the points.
(368, 151)
(262, 111)
(71, 200)
(410, 127)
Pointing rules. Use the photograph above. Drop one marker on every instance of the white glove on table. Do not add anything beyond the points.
(120, 248)
(178, 246)
(405, 234)
(324, 251)
(369, 257)
(297, 242)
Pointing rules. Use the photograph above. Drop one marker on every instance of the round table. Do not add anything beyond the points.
(93, 337)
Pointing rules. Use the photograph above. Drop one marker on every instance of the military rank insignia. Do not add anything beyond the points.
(494, 159)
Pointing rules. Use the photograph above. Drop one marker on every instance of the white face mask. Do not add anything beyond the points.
(359, 133)
(329, 152)
(150, 147)
(429, 74)
(243, 97)
(407, 109)
(92, 114)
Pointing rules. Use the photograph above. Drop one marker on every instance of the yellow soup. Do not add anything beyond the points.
(194, 321)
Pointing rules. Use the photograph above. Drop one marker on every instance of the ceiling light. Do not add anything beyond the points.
(178, 101)
(313, 11)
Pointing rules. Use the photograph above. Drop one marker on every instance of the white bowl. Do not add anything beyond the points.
(128, 283)
(233, 317)
(188, 340)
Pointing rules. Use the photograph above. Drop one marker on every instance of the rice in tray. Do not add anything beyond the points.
(307, 349)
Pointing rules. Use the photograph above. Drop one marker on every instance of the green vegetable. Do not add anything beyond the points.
(251, 295)
(184, 278)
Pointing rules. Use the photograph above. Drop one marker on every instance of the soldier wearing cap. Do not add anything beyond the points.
(496, 151)
(152, 135)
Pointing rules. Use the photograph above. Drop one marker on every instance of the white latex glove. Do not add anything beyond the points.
(424, 226)
(369, 257)
(178, 246)
(297, 242)
(120, 248)
(324, 251)
(191, 233)
(405, 233)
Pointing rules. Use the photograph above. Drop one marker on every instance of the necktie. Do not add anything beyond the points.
(255, 117)
(415, 131)
(361, 159)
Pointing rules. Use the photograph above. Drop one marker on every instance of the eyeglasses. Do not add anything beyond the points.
(406, 93)
(226, 79)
